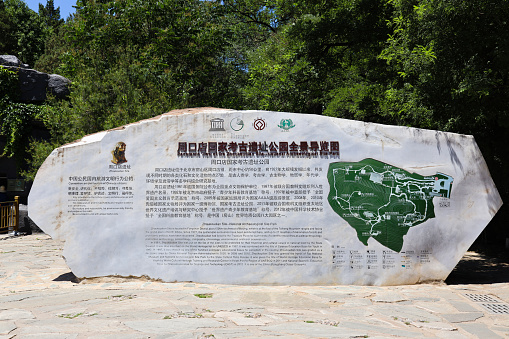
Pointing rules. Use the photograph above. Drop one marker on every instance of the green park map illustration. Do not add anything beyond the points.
(382, 201)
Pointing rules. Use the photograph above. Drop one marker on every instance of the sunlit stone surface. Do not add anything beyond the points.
(255, 197)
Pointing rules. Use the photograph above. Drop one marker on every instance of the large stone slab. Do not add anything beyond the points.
(256, 197)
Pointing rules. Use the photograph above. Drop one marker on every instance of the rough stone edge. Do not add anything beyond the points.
(196, 110)
(121, 279)
(181, 111)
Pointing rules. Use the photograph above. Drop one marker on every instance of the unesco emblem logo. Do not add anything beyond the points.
(217, 125)
(259, 124)
(286, 124)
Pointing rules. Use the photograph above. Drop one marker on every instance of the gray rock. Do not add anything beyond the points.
(11, 60)
(33, 85)
(58, 86)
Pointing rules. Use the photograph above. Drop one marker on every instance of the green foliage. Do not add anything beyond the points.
(424, 63)
(171, 47)
(454, 78)
(440, 64)
(322, 48)
(39, 151)
(16, 119)
(55, 50)
(28, 32)
(8, 84)
(50, 15)
(357, 101)
(130, 91)
(279, 79)
(460, 69)
(8, 42)
(131, 60)
(59, 118)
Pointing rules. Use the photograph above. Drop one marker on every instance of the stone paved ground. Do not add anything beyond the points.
(38, 299)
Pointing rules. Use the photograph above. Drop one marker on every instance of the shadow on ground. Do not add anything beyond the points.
(478, 268)
(67, 277)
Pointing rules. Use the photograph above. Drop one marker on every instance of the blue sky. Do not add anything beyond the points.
(65, 6)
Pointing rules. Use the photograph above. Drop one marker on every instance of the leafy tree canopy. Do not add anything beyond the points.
(8, 42)
(50, 15)
(439, 64)
(27, 31)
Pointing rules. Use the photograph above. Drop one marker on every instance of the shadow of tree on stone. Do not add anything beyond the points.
(67, 277)
(478, 268)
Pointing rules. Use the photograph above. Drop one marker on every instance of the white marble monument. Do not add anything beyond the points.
(256, 197)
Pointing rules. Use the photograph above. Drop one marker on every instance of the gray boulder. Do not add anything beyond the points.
(34, 85)
(11, 60)
(59, 86)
